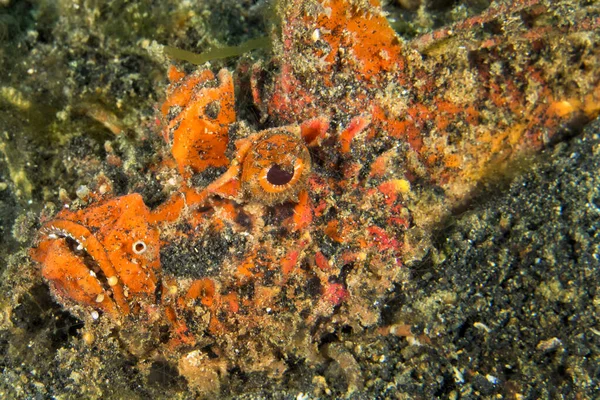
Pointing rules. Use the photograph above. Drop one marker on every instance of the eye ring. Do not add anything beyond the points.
(276, 167)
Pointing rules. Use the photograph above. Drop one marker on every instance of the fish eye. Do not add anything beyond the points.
(276, 167)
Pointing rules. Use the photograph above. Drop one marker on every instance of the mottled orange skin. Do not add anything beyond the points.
(197, 133)
(108, 232)
(459, 120)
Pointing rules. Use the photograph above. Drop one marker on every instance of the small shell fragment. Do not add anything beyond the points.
(316, 35)
(550, 344)
(82, 192)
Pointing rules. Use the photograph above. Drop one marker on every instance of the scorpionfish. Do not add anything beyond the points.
(276, 234)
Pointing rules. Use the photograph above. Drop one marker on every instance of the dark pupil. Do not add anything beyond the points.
(278, 176)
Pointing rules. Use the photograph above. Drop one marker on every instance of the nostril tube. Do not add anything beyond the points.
(139, 247)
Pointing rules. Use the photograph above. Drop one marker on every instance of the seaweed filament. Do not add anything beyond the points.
(218, 53)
